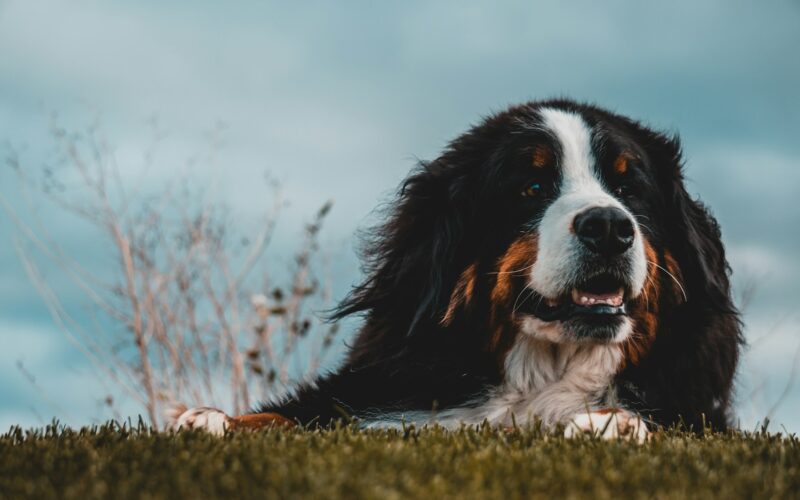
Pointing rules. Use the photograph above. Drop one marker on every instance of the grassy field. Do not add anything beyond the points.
(116, 462)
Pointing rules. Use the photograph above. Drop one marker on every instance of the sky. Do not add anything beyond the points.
(339, 100)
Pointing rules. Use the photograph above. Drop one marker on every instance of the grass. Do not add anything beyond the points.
(114, 461)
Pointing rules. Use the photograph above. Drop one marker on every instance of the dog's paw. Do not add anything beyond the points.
(609, 424)
(209, 419)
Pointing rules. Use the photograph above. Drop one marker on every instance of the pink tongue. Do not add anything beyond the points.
(582, 297)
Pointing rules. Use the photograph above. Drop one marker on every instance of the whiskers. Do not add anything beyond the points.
(518, 303)
(644, 292)
(515, 271)
(676, 280)
(530, 291)
(639, 223)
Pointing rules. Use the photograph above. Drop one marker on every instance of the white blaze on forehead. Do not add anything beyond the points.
(575, 139)
(559, 257)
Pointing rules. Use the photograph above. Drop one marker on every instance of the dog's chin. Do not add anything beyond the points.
(579, 330)
(596, 310)
(597, 329)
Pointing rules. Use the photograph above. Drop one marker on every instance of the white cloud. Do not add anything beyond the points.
(765, 263)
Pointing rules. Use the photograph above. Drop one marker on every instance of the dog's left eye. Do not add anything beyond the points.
(532, 190)
(622, 191)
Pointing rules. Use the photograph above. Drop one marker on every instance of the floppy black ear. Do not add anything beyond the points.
(411, 261)
(699, 251)
(693, 234)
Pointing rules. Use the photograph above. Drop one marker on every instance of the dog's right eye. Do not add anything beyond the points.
(532, 190)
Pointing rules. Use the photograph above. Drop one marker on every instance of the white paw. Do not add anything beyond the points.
(209, 419)
(609, 425)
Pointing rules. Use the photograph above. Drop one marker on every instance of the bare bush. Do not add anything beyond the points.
(189, 310)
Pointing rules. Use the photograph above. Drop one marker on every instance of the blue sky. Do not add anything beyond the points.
(338, 99)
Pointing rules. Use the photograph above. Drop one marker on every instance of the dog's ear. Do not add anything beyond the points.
(694, 237)
(411, 262)
(702, 256)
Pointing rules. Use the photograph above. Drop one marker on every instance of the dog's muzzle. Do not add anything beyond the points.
(605, 235)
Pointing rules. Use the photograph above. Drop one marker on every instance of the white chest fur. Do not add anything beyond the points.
(551, 382)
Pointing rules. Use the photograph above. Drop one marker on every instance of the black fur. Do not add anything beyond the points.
(457, 210)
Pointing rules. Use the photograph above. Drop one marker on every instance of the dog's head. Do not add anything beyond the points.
(553, 219)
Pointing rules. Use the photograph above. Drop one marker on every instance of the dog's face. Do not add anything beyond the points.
(573, 207)
(584, 191)
(555, 220)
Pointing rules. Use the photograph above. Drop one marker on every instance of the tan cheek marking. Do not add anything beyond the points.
(462, 293)
(621, 163)
(512, 266)
(521, 254)
(542, 156)
(644, 313)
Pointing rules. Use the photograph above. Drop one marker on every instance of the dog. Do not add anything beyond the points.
(549, 266)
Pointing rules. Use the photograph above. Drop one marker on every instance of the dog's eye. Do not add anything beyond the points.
(532, 190)
(622, 191)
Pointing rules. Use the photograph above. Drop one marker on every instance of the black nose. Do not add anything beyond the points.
(604, 230)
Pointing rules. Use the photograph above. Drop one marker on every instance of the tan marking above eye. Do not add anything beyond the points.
(621, 163)
(542, 156)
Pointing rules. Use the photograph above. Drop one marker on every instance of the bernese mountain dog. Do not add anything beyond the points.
(549, 267)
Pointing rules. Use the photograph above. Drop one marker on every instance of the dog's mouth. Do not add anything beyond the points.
(601, 295)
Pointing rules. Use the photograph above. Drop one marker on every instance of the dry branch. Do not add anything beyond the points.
(181, 320)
